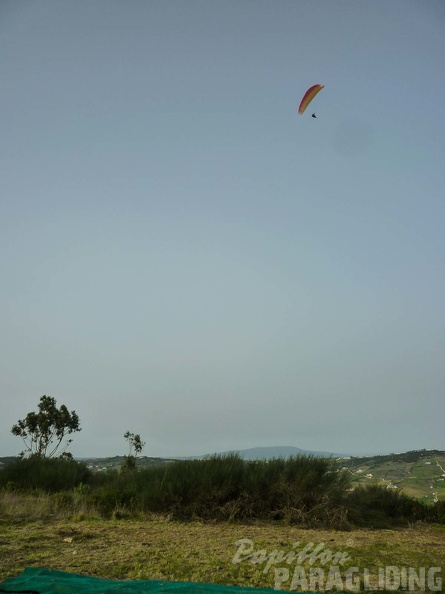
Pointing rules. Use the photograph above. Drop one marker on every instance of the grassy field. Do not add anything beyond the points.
(155, 547)
(185, 523)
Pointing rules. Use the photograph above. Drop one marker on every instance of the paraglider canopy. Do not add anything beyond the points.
(308, 96)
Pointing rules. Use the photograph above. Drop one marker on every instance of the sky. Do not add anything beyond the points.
(185, 257)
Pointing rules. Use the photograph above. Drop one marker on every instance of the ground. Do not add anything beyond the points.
(157, 548)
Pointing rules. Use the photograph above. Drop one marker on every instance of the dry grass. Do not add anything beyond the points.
(157, 548)
(19, 507)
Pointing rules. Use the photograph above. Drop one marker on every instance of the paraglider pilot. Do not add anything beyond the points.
(313, 115)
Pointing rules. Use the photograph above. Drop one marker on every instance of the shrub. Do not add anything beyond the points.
(302, 490)
(376, 506)
(298, 489)
(46, 474)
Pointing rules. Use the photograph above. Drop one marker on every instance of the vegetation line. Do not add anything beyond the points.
(305, 491)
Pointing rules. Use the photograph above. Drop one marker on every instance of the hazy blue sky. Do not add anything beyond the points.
(185, 257)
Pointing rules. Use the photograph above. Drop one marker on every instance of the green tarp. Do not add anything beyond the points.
(48, 581)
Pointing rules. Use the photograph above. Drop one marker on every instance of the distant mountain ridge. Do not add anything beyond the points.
(267, 453)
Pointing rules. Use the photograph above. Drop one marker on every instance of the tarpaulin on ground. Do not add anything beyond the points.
(48, 581)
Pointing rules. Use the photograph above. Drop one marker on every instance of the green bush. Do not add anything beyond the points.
(436, 512)
(45, 474)
(63, 501)
(376, 506)
(303, 490)
(299, 489)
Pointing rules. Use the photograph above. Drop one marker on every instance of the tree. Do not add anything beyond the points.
(43, 431)
(135, 445)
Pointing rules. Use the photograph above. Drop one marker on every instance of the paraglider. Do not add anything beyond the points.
(308, 96)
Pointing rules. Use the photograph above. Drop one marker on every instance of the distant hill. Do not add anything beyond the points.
(103, 464)
(115, 462)
(7, 460)
(267, 453)
(419, 473)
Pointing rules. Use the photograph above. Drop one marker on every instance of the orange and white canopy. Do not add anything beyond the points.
(308, 96)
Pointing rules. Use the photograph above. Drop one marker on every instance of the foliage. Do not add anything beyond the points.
(43, 431)
(135, 443)
(44, 474)
(128, 464)
(136, 446)
(379, 507)
(436, 512)
(300, 489)
(309, 492)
